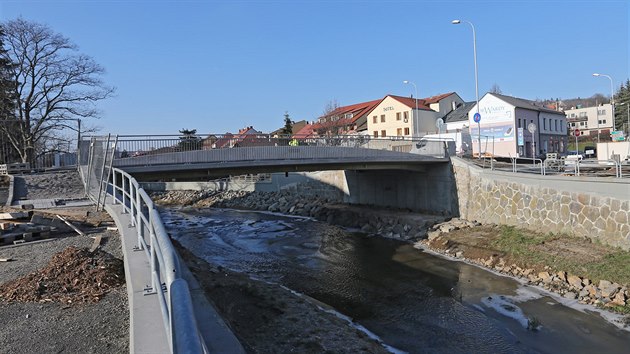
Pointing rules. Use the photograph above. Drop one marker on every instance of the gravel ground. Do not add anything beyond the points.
(49, 185)
(101, 327)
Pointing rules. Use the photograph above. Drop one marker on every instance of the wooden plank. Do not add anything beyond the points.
(72, 226)
(96, 244)
(13, 216)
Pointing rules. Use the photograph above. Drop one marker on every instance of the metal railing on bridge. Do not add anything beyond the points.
(142, 145)
(101, 181)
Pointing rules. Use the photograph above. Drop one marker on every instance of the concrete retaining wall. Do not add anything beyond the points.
(595, 208)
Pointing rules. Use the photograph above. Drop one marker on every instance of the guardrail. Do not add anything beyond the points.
(130, 146)
(573, 167)
(166, 279)
(101, 180)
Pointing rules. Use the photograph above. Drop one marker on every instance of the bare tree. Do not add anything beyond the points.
(330, 107)
(55, 85)
(496, 89)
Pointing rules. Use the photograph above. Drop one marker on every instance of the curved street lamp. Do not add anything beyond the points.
(457, 22)
(612, 99)
(413, 120)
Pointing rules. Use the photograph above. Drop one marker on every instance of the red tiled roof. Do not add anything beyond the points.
(307, 131)
(437, 98)
(411, 102)
(357, 110)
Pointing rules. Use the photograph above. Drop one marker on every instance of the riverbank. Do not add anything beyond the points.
(578, 270)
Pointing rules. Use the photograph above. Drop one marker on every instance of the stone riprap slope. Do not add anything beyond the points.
(397, 224)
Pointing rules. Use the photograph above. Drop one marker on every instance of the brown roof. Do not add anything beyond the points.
(437, 98)
(411, 102)
(307, 131)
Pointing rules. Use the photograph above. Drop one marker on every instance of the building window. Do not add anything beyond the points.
(602, 121)
(383, 133)
(519, 122)
(601, 112)
(582, 114)
(376, 134)
(581, 124)
(397, 115)
(374, 119)
(382, 118)
(407, 131)
(555, 122)
(572, 115)
(399, 131)
(544, 123)
(406, 115)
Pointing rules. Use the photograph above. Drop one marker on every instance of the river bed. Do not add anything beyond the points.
(412, 300)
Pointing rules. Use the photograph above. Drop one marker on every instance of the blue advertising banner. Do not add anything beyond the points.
(521, 140)
(498, 133)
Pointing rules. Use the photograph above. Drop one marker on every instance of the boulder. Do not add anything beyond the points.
(562, 276)
(431, 235)
(545, 277)
(575, 281)
(608, 289)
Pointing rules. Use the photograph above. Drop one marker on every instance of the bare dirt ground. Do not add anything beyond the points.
(54, 296)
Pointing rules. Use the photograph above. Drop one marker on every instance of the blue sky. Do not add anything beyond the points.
(218, 66)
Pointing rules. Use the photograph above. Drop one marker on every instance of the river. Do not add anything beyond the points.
(412, 300)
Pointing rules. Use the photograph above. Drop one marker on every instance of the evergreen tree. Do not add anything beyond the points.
(189, 140)
(288, 125)
(621, 110)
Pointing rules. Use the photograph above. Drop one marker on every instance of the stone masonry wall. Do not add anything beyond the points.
(491, 197)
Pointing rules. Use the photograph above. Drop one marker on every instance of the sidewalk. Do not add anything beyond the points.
(147, 330)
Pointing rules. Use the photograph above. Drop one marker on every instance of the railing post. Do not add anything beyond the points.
(124, 194)
(114, 188)
(139, 227)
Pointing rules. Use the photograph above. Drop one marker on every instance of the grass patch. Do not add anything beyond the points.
(518, 243)
(524, 247)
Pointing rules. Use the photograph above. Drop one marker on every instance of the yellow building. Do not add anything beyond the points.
(407, 116)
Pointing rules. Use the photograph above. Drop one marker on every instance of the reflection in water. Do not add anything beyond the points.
(412, 300)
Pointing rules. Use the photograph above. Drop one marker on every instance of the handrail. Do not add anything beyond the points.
(166, 275)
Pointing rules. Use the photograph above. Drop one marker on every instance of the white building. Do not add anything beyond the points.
(504, 127)
(409, 117)
(590, 120)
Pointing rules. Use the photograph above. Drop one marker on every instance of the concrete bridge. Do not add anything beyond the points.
(174, 161)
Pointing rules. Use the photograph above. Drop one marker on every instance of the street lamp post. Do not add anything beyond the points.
(457, 22)
(413, 116)
(612, 99)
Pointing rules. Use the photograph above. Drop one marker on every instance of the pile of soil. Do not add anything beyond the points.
(72, 276)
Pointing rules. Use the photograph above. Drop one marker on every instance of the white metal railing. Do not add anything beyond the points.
(166, 275)
(573, 167)
(101, 180)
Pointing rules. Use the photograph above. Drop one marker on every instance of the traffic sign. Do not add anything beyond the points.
(531, 127)
(576, 132)
(477, 117)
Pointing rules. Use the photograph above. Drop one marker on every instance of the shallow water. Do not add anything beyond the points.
(412, 300)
